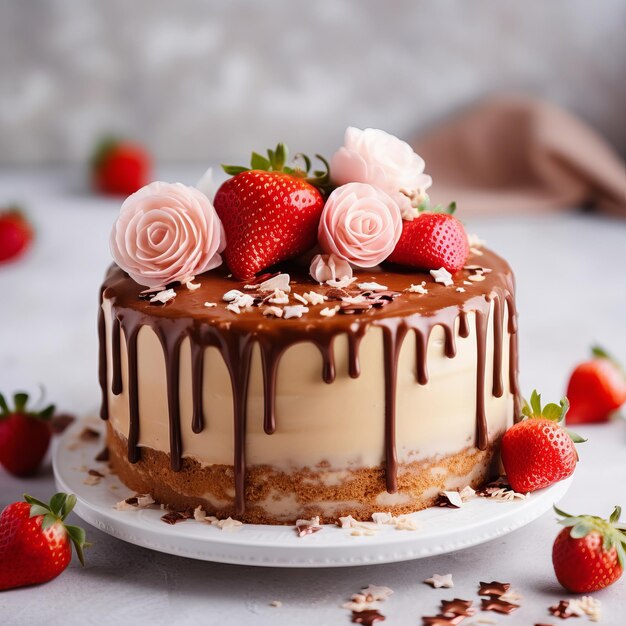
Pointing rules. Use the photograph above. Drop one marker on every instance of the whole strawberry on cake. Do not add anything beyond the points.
(305, 343)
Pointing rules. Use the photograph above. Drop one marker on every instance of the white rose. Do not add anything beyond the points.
(375, 157)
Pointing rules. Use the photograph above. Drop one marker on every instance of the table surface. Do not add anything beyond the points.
(571, 293)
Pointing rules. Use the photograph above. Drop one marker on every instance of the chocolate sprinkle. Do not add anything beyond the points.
(355, 309)
(494, 588)
(444, 501)
(60, 422)
(497, 605)
(367, 617)
(457, 607)
(336, 294)
(307, 529)
(173, 517)
(89, 434)
(562, 610)
(486, 490)
(93, 472)
(103, 455)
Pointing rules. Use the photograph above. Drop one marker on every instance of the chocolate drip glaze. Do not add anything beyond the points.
(235, 336)
(354, 341)
(270, 356)
(498, 316)
(116, 383)
(464, 330)
(422, 335)
(197, 374)
(481, 345)
(102, 360)
(131, 327)
(394, 332)
(170, 342)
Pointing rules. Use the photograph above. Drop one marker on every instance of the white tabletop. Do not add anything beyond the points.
(571, 293)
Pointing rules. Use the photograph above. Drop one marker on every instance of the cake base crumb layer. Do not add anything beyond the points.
(277, 497)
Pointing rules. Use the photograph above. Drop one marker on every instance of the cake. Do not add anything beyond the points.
(326, 386)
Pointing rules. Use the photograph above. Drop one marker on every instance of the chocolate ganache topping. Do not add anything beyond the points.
(403, 313)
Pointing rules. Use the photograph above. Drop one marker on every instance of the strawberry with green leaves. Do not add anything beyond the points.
(590, 553)
(538, 451)
(24, 435)
(270, 211)
(35, 541)
(596, 388)
(434, 239)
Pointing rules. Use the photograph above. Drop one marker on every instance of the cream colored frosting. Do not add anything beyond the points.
(339, 423)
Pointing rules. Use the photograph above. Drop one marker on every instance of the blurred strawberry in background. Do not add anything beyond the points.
(596, 389)
(120, 167)
(16, 234)
(24, 435)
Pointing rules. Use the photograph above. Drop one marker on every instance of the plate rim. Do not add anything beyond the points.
(352, 551)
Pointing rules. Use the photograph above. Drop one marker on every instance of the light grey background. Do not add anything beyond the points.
(210, 80)
(48, 335)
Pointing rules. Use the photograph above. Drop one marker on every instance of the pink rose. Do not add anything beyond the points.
(329, 267)
(167, 232)
(375, 157)
(360, 224)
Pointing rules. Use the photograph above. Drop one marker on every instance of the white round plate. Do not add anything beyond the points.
(440, 530)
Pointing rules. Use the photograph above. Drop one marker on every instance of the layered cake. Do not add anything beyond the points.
(353, 353)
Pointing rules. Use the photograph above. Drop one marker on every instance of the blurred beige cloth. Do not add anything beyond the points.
(518, 154)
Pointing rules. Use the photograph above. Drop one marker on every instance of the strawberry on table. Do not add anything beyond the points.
(538, 451)
(16, 234)
(434, 239)
(270, 212)
(24, 435)
(35, 541)
(596, 389)
(120, 167)
(590, 553)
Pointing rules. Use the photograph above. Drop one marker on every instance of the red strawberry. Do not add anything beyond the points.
(270, 213)
(35, 543)
(24, 435)
(538, 452)
(120, 167)
(590, 553)
(596, 388)
(15, 234)
(432, 240)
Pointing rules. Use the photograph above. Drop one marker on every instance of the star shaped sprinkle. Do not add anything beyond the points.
(494, 588)
(567, 608)
(442, 620)
(440, 580)
(421, 288)
(443, 276)
(367, 618)
(457, 607)
(376, 592)
(497, 605)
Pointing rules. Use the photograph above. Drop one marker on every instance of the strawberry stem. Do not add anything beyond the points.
(552, 411)
(55, 512)
(277, 160)
(613, 534)
(600, 353)
(20, 402)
